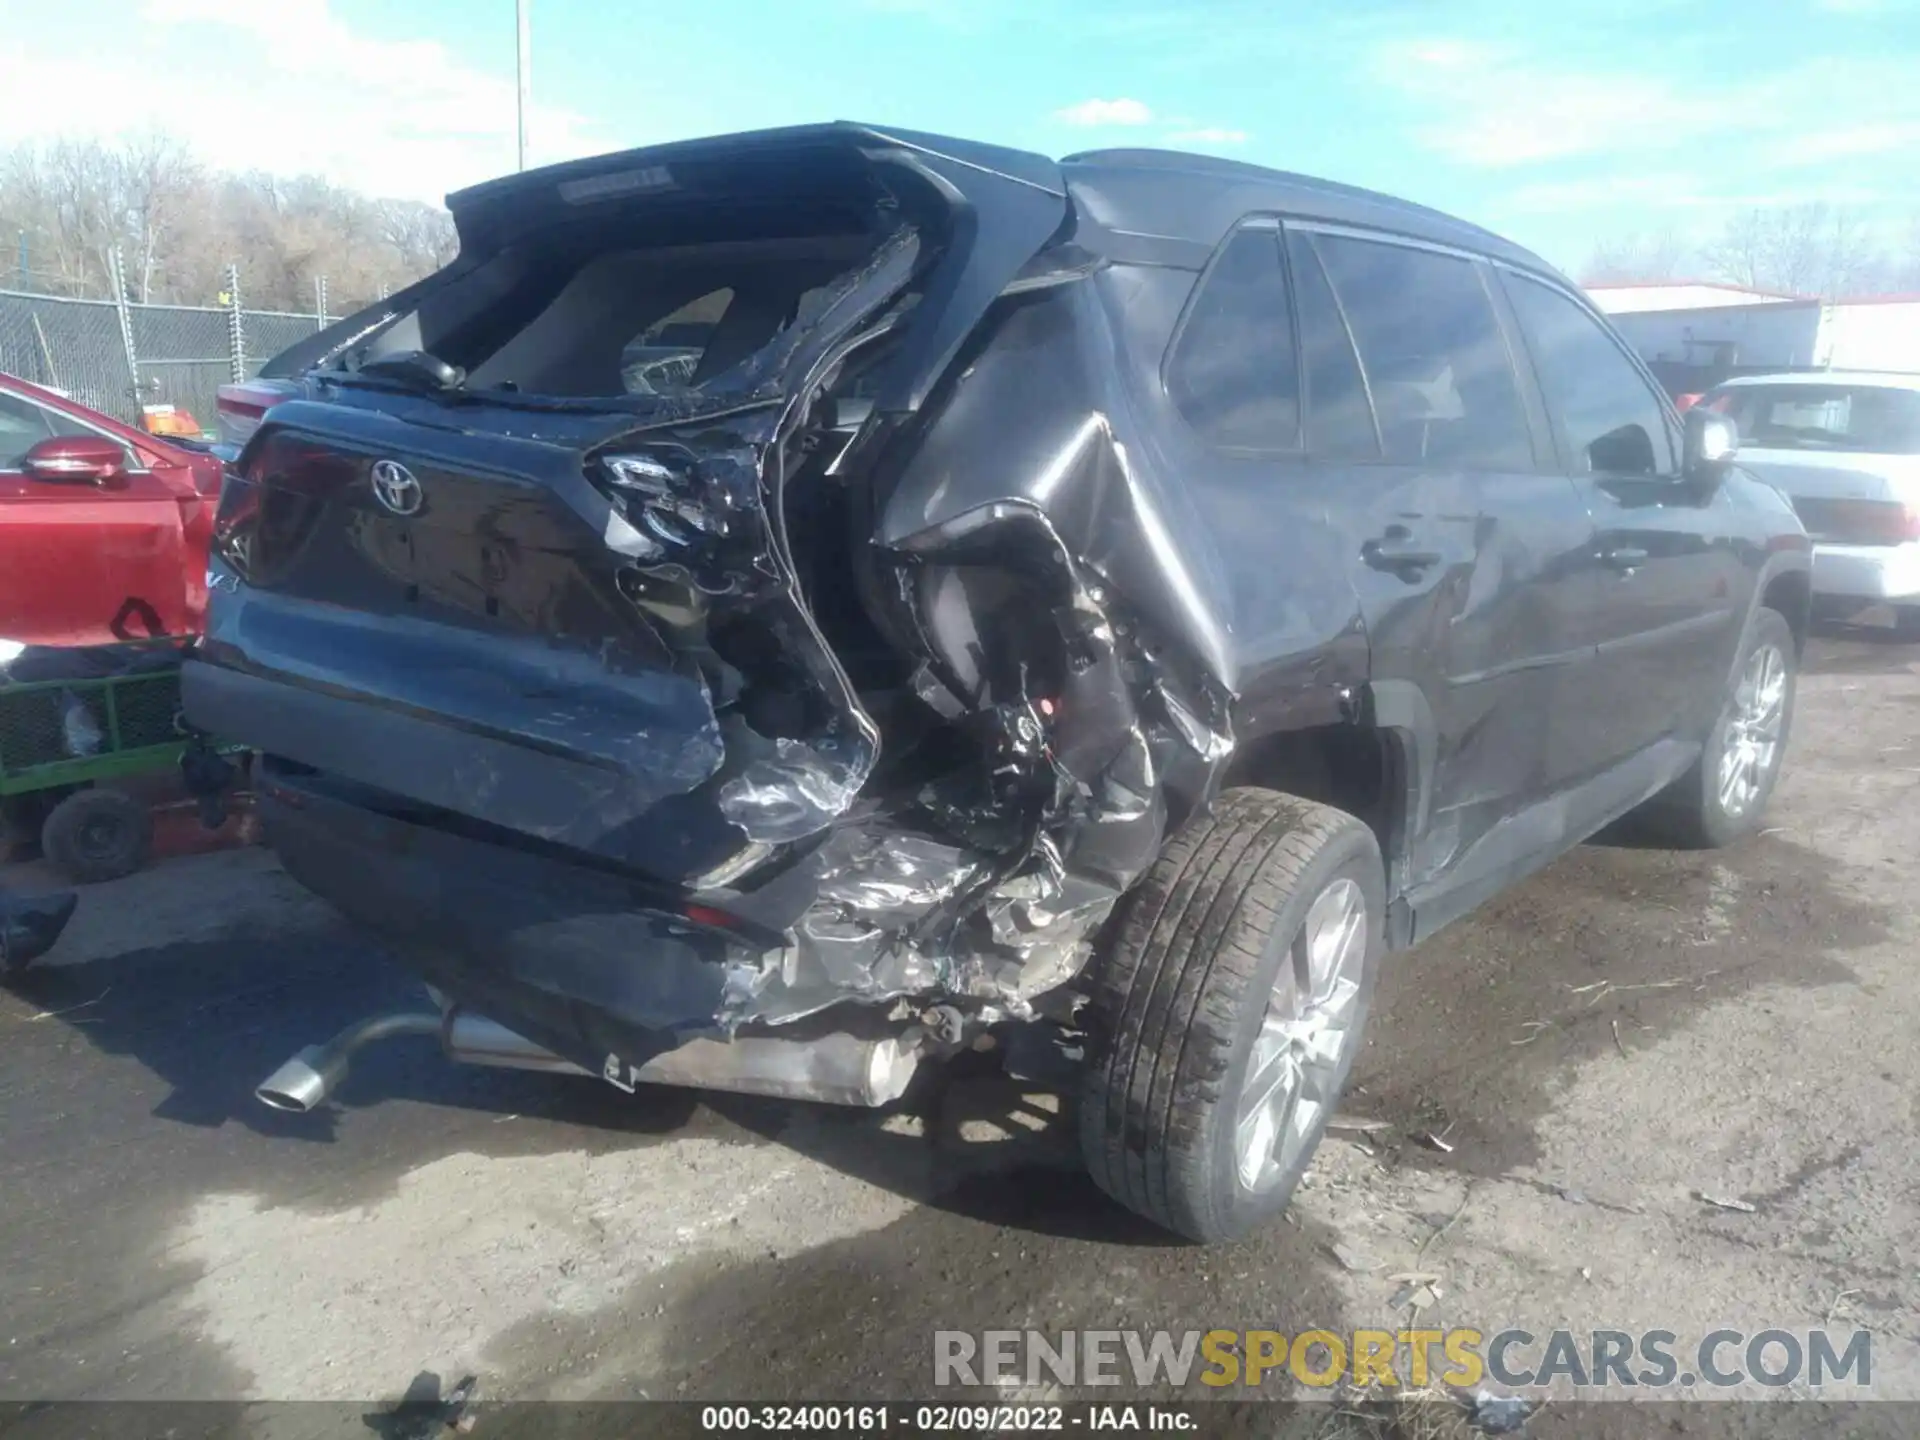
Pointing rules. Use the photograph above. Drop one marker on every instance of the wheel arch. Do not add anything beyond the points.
(1377, 765)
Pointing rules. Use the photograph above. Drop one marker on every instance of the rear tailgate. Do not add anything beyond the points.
(572, 618)
(1845, 499)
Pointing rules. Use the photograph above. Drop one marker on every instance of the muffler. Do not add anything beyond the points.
(837, 1069)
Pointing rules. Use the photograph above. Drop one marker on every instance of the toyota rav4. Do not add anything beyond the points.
(781, 609)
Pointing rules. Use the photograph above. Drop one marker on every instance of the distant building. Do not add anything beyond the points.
(1633, 297)
(1694, 334)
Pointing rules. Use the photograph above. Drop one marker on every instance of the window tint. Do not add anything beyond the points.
(1610, 420)
(1339, 419)
(1862, 418)
(1231, 372)
(1435, 359)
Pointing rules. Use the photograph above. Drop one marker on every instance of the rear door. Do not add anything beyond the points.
(1666, 590)
(1464, 554)
(82, 564)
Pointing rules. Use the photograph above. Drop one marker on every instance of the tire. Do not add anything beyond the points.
(1694, 812)
(1906, 621)
(1181, 997)
(97, 835)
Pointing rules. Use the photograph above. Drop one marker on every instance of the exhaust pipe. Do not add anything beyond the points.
(304, 1082)
(837, 1069)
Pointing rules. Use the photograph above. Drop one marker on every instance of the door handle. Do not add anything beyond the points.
(1394, 555)
(1626, 560)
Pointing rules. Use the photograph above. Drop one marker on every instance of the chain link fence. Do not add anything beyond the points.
(120, 357)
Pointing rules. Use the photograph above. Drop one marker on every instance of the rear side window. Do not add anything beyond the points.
(1868, 419)
(1435, 360)
(1231, 371)
(1610, 420)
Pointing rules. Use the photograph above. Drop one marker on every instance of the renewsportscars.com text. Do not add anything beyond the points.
(1461, 1357)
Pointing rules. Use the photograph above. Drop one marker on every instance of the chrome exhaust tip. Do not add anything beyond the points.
(299, 1085)
(303, 1083)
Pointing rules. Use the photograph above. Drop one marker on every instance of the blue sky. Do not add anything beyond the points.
(1559, 123)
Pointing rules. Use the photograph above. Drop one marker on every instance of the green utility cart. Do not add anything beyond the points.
(61, 738)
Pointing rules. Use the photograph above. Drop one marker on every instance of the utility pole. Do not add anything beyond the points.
(524, 58)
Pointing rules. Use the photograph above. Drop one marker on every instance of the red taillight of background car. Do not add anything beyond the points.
(241, 406)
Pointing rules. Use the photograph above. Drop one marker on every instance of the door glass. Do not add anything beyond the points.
(1231, 372)
(1339, 419)
(1442, 382)
(24, 424)
(1610, 420)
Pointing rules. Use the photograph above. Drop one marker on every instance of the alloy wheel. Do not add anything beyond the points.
(1754, 721)
(1304, 1038)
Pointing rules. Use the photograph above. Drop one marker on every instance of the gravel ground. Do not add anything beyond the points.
(1598, 1047)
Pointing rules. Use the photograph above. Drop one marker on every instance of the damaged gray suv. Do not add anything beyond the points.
(782, 609)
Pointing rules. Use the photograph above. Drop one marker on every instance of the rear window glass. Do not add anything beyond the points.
(1435, 359)
(662, 359)
(1862, 418)
(570, 319)
(1231, 371)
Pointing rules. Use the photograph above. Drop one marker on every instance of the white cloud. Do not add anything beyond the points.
(1674, 191)
(1106, 112)
(1504, 108)
(1208, 135)
(293, 88)
(1503, 105)
(1847, 141)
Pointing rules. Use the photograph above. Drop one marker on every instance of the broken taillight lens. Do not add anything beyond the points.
(665, 499)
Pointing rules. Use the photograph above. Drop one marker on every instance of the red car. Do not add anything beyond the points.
(103, 527)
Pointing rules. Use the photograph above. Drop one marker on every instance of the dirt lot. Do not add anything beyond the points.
(1629, 1029)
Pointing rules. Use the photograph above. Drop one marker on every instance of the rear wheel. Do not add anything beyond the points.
(1906, 621)
(1228, 1011)
(97, 835)
(1725, 794)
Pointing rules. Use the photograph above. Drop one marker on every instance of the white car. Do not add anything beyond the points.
(1844, 447)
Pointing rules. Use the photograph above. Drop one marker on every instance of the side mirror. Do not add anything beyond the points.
(1712, 439)
(77, 460)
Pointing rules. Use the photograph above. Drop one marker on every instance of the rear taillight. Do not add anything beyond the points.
(241, 403)
(1910, 530)
(241, 406)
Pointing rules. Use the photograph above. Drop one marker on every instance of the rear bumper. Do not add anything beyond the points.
(1867, 572)
(569, 956)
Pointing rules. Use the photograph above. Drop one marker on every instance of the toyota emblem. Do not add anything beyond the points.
(395, 488)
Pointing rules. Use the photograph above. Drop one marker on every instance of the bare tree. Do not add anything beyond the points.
(1661, 255)
(421, 236)
(1812, 249)
(178, 226)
